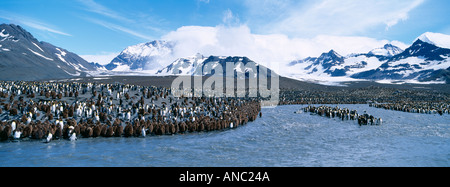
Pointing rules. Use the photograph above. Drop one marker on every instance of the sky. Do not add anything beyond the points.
(269, 31)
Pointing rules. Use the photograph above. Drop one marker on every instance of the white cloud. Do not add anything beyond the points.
(31, 22)
(43, 27)
(328, 17)
(127, 22)
(102, 58)
(115, 27)
(272, 50)
(229, 18)
(92, 6)
(203, 1)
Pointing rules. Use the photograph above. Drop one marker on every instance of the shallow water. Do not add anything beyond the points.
(279, 138)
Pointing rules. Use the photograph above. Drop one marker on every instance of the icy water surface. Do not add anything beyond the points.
(279, 138)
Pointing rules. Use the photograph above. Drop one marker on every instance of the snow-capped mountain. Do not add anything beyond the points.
(322, 64)
(23, 57)
(387, 50)
(184, 66)
(437, 39)
(423, 61)
(145, 56)
(200, 65)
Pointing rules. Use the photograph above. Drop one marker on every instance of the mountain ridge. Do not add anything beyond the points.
(144, 56)
(199, 65)
(23, 57)
(422, 61)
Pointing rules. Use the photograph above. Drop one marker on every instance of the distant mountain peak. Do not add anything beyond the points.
(146, 49)
(144, 56)
(387, 50)
(330, 57)
(437, 39)
(333, 53)
(200, 65)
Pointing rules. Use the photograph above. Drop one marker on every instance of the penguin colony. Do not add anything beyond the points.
(344, 114)
(440, 108)
(425, 98)
(47, 111)
(414, 101)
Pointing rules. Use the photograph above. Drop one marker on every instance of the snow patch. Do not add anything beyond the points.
(399, 82)
(38, 54)
(60, 57)
(37, 46)
(61, 52)
(101, 78)
(3, 35)
(121, 67)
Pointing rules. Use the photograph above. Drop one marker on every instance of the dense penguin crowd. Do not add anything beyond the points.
(344, 114)
(440, 108)
(70, 110)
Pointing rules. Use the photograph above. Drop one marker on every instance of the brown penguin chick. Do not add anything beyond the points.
(183, 127)
(6, 133)
(222, 124)
(77, 129)
(151, 128)
(27, 131)
(89, 132)
(190, 126)
(161, 129)
(216, 124)
(250, 118)
(110, 131)
(177, 127)
(58, 133)
(128, 131)
(119, 131)
(117, 122)
(96, 131)
(82, 128)
(24, 118)
(137, 130)
(167, 128)
(156, 129)
(173, 129)
(2, 125)
(208, 126)
(201, 127)
(71, 111)
(67, 131)
(104, 130)
(38, 134)
(13, 112)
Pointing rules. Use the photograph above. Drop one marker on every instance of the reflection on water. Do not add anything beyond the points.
(279, 138)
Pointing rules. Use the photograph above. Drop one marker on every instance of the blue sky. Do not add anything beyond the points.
(101, 27)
